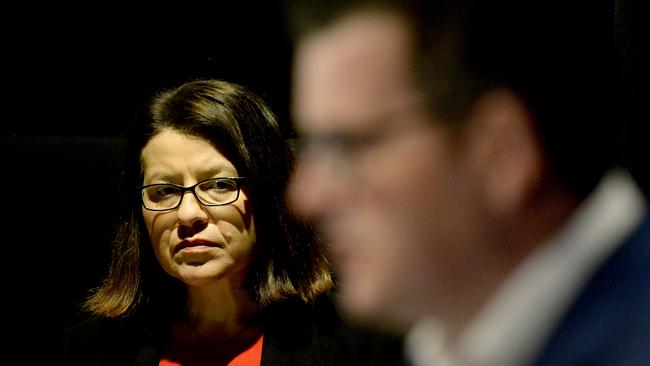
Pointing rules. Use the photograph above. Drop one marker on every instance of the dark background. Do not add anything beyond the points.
(73, 78)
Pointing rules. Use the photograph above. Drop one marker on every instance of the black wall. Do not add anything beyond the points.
(73, 77)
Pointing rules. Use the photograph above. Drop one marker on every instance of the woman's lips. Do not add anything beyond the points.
(196, 245)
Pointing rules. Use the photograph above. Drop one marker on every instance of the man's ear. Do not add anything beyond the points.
(506, 151)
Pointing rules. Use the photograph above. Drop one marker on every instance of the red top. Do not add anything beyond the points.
(225, 354)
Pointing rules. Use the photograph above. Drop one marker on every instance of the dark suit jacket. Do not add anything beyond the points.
(609, 324)
(294, 335)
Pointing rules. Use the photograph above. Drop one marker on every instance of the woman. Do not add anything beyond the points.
(209, 267)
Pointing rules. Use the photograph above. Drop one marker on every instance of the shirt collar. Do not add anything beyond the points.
(510, 329)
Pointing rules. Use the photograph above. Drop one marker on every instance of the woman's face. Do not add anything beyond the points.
(195, 243)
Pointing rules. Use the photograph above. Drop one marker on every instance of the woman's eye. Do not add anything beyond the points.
(221, 184)
(167, 190)
(161, 192)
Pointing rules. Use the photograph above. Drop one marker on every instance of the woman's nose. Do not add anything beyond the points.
(191, 210)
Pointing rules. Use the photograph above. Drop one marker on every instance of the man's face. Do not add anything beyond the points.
(377, 175)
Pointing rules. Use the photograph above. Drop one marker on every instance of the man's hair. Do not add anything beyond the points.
(556, 56)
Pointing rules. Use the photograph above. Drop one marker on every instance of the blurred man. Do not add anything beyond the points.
(459, 158)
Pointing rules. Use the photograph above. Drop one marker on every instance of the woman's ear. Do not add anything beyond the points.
(507, 152)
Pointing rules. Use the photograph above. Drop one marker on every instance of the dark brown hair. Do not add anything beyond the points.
(557, 56)
(289, 262)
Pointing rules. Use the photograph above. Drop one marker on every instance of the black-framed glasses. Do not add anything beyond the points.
(211, 192)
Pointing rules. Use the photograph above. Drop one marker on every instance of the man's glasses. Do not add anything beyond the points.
(211, 192)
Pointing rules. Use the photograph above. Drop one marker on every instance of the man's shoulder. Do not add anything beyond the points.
(609, 322)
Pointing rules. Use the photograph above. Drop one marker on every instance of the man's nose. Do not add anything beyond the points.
(316, 186)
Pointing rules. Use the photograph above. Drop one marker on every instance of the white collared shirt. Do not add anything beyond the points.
(511, 328)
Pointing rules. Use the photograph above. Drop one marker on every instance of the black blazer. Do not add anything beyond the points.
(609, 323)
(295, 334)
